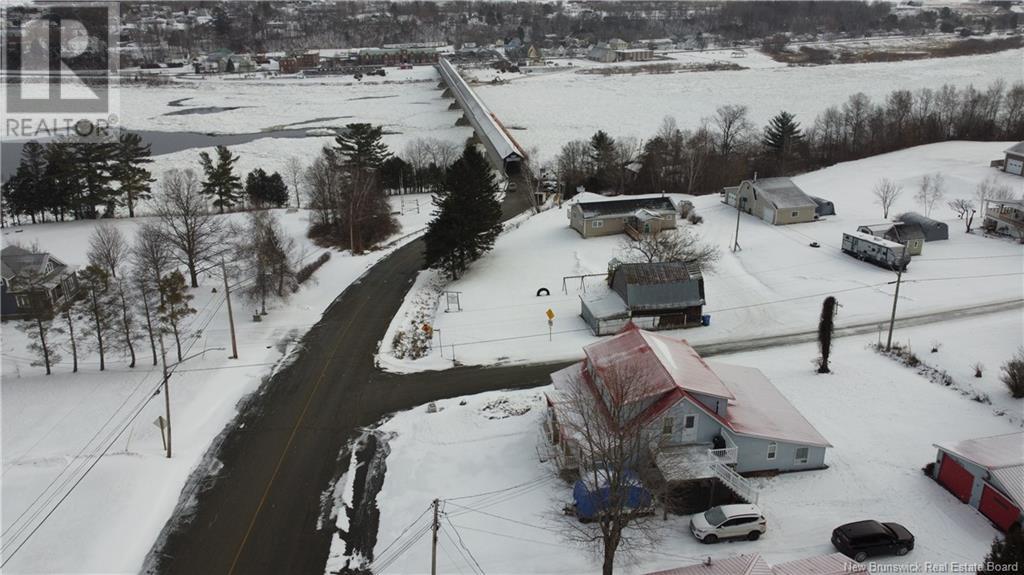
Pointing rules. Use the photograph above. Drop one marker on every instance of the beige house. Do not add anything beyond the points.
(634, 216)
(777, 201)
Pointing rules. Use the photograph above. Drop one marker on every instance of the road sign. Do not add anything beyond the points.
(550, 314)
(159, 422)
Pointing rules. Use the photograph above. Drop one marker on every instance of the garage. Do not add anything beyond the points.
(1015, 166)
(998, 508)
(956, 479)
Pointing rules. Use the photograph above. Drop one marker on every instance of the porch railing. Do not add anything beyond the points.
(736, 482)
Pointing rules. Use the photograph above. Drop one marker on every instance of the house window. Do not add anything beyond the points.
(795, 214)
(666, 426)
(690, 421)
(772, 450)
(597, 224)
(801, 454)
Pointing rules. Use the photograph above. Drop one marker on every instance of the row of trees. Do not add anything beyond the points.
(132, 292)
(727, 148)
(77, 178)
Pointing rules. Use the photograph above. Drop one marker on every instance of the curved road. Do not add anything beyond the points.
(259, 514)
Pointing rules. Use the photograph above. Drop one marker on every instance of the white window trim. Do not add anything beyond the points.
(689, 421)
(597, 223)
(773, 451)
(798, 459)
(668, 425)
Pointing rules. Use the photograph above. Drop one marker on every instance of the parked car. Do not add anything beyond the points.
(864, 539)
(727, 522)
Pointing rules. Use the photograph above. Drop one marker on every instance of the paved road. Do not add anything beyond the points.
(259, 514)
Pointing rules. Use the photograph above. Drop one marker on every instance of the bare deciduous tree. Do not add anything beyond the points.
(930, 191)
(964, 209)
(36, 319)
(268, 254)
(192, 232)
(150, 254)
(294, 169)
(669, 246)
(107, 248)
(611, 442)
(886, 192)
(733, 126)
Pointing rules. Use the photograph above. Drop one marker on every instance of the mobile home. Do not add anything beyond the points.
(879, 251)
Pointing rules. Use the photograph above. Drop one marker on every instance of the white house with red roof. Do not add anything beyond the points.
(986, 473)
(707, 420)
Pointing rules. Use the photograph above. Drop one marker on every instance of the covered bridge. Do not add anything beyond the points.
(504, 153)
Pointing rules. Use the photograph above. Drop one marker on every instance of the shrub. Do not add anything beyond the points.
(1013, 374)
(695, 219)
(306, 271)
(978, 369)
(929, 469)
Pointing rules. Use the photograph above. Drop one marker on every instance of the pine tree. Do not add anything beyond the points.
(265, 190)
(25, 195)
(98, 309)
(1006, 554)
(360, 147)
(131, 155)
(826, 326)
(782, 136)
(467, 218)
(174, 306)
(363, 213)
(221, 182)
(602, 159)
(62, 190)
(95, 163)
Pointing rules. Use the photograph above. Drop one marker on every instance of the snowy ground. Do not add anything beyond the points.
(773, 286)
(53, 428)
(544, 110)
(881, 417)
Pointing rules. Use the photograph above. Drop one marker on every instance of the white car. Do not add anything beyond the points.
(729, 521)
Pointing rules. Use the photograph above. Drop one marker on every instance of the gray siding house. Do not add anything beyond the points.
(52, 282)
(704, 421)
(609, 216)
(777, 201)
(663, 295)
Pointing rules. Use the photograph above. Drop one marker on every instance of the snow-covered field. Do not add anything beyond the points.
(773, 286)
(881, 417)
(53, 428)
(544, 110)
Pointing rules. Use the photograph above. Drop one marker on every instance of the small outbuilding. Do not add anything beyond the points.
(825, 207)
(777, 201)
(1013, 159)
(933, 230)
(986, 473)
(661, 295)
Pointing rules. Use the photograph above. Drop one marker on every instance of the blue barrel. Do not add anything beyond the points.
(705, 319)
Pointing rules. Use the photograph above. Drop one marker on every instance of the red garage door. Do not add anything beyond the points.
(955, 478)
(998, 508)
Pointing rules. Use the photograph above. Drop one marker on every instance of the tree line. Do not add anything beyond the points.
(78, 178)
(727, 148)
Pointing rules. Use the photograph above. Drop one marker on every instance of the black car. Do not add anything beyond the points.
(863, 539)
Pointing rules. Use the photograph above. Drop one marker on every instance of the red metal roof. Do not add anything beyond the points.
(760, 409)
(742, 565)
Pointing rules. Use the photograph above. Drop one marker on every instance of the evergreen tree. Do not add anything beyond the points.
(363, 212)
(782, 137)
(360, 147)
(1007, 554)
(62, 190)
(98, 309)
(131, 156)
(264, 190)
(826, 325)
(467, 218)
(174, 306)
(221, 182)
(602, 160)
(95, 166)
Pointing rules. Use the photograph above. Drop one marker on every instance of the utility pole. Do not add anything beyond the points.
(167, 393)
(231, 316)
(895, 298)
(433, 544)
(736, 239)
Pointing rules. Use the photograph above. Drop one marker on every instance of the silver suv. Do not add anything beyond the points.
(729, 521)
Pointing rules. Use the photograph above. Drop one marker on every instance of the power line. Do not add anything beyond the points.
(463, 544)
